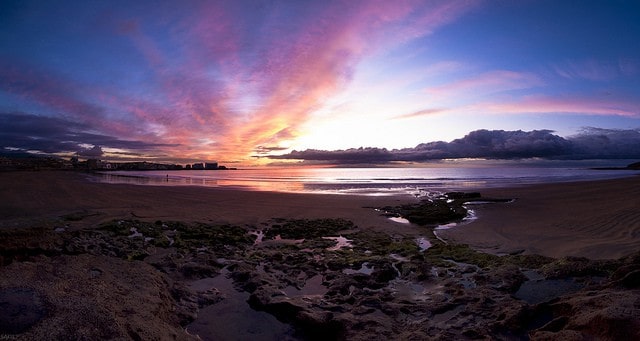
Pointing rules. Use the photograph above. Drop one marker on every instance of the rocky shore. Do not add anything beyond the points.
(70, 278)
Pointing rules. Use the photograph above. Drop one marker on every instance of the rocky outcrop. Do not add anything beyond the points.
(329, 279)
(635, 165)
(442, 209)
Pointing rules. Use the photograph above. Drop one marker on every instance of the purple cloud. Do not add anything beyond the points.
(592, 143)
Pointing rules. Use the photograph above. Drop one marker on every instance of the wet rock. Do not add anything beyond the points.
(462, 195)
(555, 325)
(604, 315)
(382, 287)
(574, 266)
(196, 270)
(382, 275)
(319, 325)
(440, 210)
(308, 228)
(433, 212)
(628, 278)
(507, 278)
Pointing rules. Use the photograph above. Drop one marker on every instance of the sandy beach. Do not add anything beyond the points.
(28, 196)
(86, 260)
(594, 219)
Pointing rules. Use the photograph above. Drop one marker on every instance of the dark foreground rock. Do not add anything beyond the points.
(21, 309)
(88, 297)
(327, 278)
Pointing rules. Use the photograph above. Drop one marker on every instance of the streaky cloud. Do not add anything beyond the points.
(490, 81)
(570, 105)
(54, 135)
(420, 113)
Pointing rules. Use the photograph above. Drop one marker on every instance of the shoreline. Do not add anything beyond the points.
(29, 196)
(594, 219)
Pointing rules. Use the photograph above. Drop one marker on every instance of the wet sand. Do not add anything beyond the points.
(593, 219)
(597, 219)
(26, 197)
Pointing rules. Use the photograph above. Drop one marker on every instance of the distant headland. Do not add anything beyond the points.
(35, 162)
(633, 166)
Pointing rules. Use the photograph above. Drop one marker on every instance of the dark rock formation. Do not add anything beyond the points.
(132, 279)
(446, 208)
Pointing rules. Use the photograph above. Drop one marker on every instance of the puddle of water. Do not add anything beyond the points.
(423, 243)
(409, 290)
(543, 290)
(276, 239)
(340, 243)
(398, 258)
(532, 275)
(400, 220)
(446, 226)
(471, 216)
(364, 269)
(259, 236)
(134, 233)
(468, 282)
(466, 279)
(232, 318)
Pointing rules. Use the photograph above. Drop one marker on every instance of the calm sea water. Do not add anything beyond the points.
(451, 175)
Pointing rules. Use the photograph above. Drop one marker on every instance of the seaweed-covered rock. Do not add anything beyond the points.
(381, 285)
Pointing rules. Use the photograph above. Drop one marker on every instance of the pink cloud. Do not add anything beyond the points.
(32, 84)
(293, 70)
(106, 110)
(234, 85)
(420, 113)
(583, 106)
(320, 62)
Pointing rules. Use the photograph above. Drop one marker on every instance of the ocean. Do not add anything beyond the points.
(416, 180)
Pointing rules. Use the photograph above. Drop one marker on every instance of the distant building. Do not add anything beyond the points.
(211, 165)
(187, 167)
(94, 164)
(197, 166)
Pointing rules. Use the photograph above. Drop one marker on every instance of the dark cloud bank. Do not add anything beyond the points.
(26, 132)
(590, 143)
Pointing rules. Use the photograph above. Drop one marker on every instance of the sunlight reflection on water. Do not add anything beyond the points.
(418, 182)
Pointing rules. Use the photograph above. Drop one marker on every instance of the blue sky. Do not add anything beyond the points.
(232, 80)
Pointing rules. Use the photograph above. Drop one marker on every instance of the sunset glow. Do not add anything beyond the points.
(239, 81)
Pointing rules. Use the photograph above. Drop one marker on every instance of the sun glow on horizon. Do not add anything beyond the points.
(232, 81)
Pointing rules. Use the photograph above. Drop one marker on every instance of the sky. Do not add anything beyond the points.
(255, 82)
